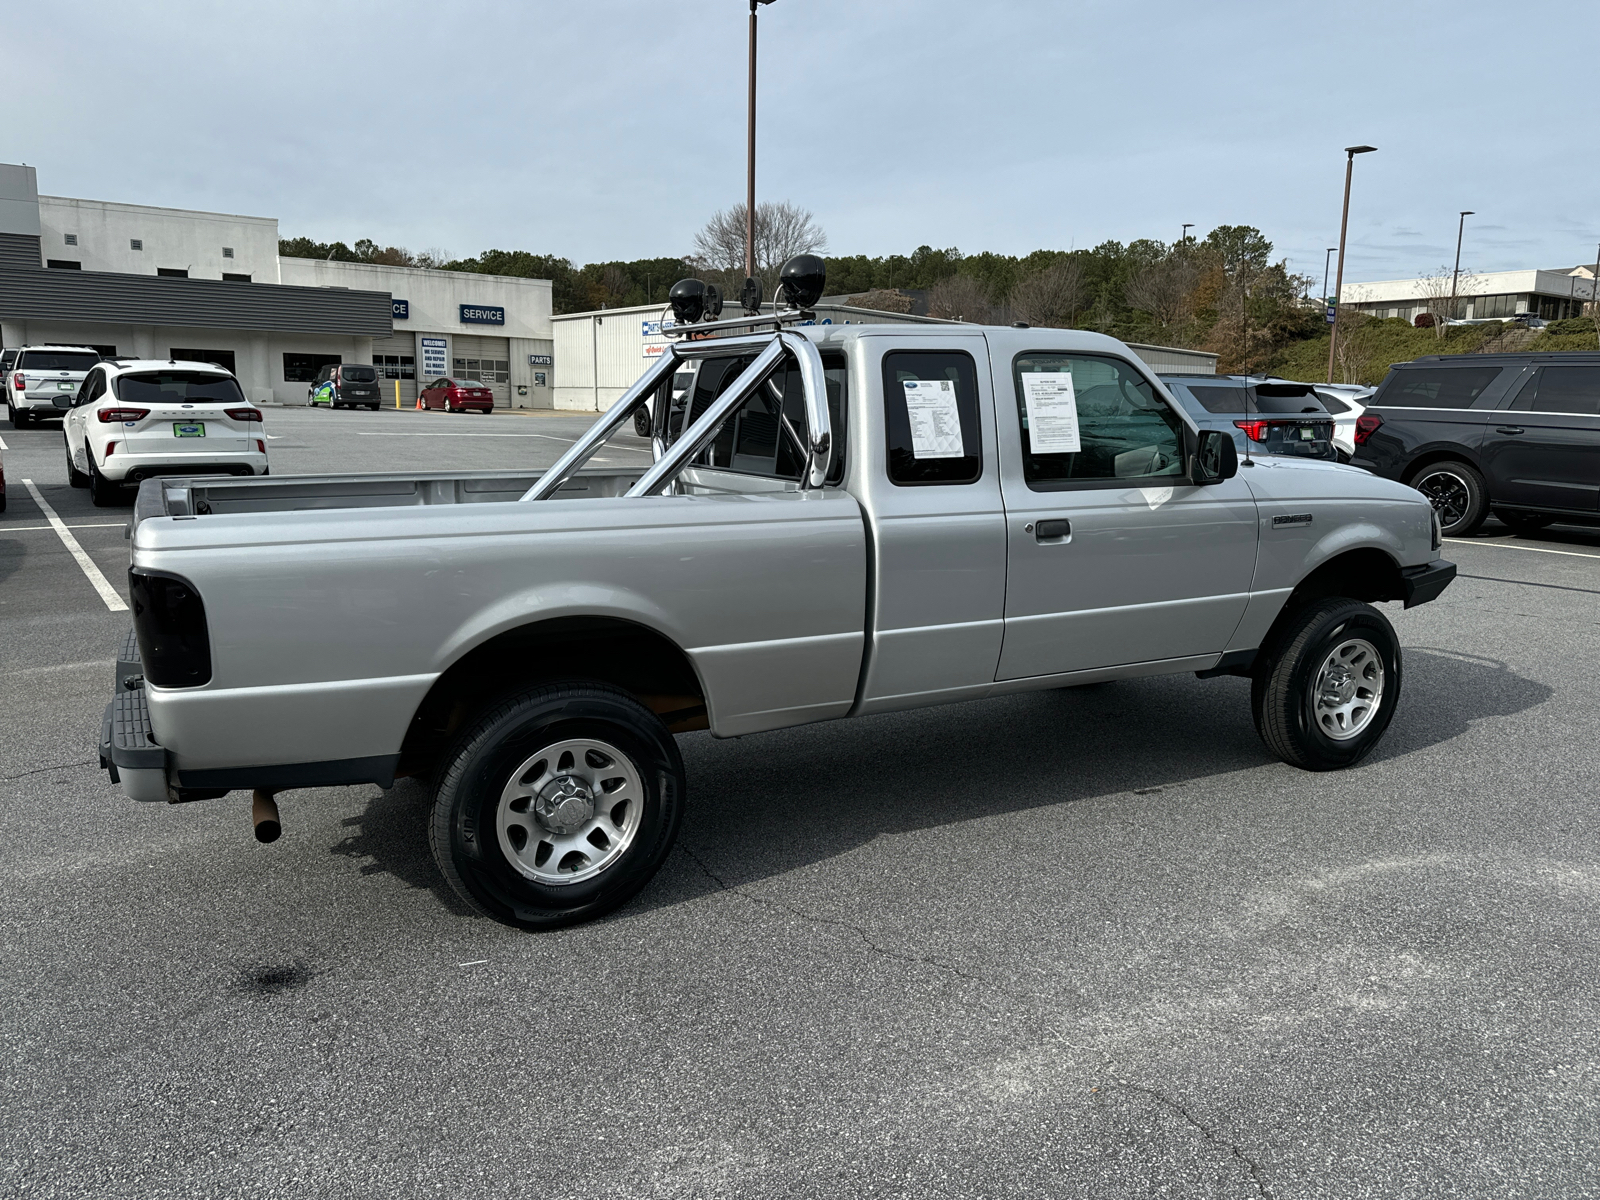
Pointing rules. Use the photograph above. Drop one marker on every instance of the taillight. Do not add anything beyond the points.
(1366, 425)
(18, 382)
(244, 414)
(108, 415)
(1256, 431)
(261, 447)
(170, 623)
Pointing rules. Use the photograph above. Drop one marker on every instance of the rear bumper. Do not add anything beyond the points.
(136, 467)
(1424, 583)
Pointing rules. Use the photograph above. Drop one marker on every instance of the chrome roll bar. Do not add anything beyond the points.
(670, 460)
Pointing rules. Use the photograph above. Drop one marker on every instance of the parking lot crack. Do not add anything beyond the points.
(1211, 1135)
(42, 770)
(816, 919)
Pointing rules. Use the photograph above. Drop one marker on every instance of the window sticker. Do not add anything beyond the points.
(935, 420)
(1052, 412)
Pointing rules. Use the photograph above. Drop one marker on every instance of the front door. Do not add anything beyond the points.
(1113, 557)
(1544, 450)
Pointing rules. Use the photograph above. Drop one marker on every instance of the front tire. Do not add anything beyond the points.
(558, 805)
(1458, 493)
(1326, 688)
(75, 477)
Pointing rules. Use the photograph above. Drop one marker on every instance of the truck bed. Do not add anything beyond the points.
(182, 496)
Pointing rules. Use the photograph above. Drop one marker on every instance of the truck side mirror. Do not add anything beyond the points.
(1215, 458)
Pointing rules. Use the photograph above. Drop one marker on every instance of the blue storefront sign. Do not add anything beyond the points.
(482, 314)
(402, 309)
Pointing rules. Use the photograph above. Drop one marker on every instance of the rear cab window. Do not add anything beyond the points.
(358, 374)
(1093, 421)
(753, 440)
(178, 387)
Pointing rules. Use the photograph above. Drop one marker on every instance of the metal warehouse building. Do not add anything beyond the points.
(165, 282)
(600, 354)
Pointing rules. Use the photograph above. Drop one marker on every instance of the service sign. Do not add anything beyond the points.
(541, 360)
(402, 309)
(651, 328)
(482, 314)
(434, 365)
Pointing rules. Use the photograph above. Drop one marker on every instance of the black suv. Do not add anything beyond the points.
(1518, 433)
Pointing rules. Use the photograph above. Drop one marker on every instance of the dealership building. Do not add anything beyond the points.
(1553, 295)
(171, 283)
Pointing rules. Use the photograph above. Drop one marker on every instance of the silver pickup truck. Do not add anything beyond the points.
(848, 520)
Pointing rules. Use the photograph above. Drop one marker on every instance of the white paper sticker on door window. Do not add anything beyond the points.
(935, 419)
(1052, 412)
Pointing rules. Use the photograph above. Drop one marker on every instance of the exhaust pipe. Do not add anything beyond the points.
(264, 815)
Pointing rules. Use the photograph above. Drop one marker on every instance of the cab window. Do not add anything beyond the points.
(930, 408)
(1088, 419)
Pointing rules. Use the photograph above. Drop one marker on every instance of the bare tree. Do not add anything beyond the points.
(782, 230)
(960, 298)
(1437, 288)
(1049, 297)
(1357, 331)
(1164, 289)
(433, 257)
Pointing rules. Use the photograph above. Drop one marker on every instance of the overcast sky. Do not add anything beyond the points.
(610, 129)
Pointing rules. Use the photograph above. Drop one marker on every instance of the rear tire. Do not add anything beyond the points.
(102, 491)
(557, 805)
(19, 418)
(75, 477)
(1325, 689)
(1457, 492)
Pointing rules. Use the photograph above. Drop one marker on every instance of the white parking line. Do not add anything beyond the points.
(1514, 546)
(547, 436)
(3, 445)
(107, 592)
(28, 528)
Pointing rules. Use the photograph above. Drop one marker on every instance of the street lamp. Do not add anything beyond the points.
(1456, 275)
(1325, 259)
(1185, 236)
(1350, 153)
(752, 290)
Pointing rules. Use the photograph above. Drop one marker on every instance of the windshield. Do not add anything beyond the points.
(1267, 398)
(56, 360)
(357, 374)
(468, 383)
(179, 387)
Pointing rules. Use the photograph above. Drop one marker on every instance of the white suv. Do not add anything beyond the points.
(136, 418)
(39, 374)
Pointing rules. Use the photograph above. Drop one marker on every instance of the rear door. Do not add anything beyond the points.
(1543, 449)
(1443, 406)
(1114, 558)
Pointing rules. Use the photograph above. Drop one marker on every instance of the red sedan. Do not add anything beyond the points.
(458, 395)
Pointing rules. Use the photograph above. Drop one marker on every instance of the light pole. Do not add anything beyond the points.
(1185, 238)
(1350, 153)
(1456, 275)
(751, 294)
(1325, 258)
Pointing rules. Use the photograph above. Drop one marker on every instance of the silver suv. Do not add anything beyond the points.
(38, 375)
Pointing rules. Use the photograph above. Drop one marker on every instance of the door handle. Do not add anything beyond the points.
(1058, 530)
(1508, 429)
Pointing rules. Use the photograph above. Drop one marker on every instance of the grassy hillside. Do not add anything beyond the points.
(1381, 343)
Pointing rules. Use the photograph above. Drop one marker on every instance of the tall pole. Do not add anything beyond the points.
(1350, 153)
(1326, 258)
(1184, 238)
(750, 161)
(1455, 276)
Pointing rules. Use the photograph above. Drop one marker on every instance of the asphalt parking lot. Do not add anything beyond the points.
(1092, 942)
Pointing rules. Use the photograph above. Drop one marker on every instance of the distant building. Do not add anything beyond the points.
(1553, 294)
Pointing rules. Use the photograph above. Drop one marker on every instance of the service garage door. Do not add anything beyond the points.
(395, 358)
(487, 359)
